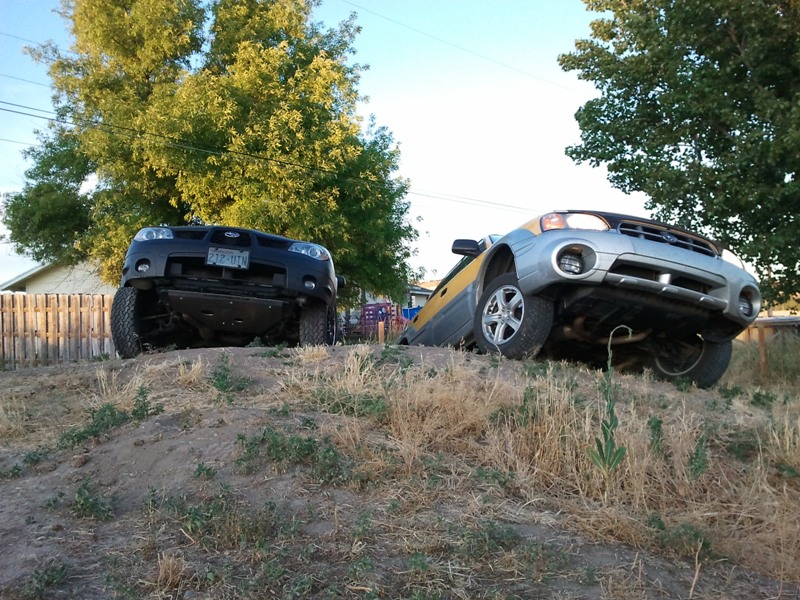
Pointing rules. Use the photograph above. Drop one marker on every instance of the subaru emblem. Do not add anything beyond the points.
(668, 237)
(231, 234)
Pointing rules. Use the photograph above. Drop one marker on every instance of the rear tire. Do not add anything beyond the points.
(510, 323)
(696, 359)
(318, 325)
(125, 327)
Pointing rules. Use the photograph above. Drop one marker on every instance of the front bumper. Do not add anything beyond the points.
(272, 273)
(648, 269)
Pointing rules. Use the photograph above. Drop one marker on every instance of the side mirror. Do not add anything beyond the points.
(340, 282)
(466, 247)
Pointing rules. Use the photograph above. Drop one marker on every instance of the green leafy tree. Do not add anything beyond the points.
(235, 112)
(699, 108)
(48, 218)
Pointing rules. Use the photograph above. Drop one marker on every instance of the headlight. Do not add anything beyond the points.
(153, 233)
(572, 221)
(730, 257)
(312, 250)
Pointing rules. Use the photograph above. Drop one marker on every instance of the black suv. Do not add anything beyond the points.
(209, 286)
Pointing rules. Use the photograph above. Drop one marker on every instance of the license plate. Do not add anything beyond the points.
(225, 257)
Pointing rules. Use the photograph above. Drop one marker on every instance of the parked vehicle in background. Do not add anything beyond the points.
(569, 283)
(208, 286)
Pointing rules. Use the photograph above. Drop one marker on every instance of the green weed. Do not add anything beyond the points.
(500, 478)
(224, 380)
(682, 384)
(655, 425)
(87, 505)
(521, 415)
(142, 408)
(729, 392)
(13, 473)
(275, 352)
(763, 399)
(109, 417)
(326, 464)
(362, 528)
(488, 538)
(743, 445)
(203, 471)
(361, 567)
(33, 457)
(418, 562)
(786, 470)
(684, 539)
(540, 561)
(54, 501)
(698, 460)
(42, 582)
(394, 355)
(354, 405)
(606, 456)
(220, 522)
(103, 420)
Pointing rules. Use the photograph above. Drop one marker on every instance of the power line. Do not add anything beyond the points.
(22, 39)
(461, 48)
(170, 141)
(468, 201)
(17, 142)
(181, 144)
(47, 85)
(465, 200)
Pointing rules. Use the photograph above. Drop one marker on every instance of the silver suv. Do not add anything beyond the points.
(568, 284)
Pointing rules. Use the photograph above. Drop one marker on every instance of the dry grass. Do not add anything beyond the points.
(782, 368)
(679, 486)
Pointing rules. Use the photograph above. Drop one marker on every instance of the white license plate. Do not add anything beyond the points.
(225, 257)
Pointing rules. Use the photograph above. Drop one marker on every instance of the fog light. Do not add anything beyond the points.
(310, 284)
(745, 306)
(143, 266)
(570, 263)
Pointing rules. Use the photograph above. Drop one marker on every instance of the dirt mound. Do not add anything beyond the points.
(346, 472)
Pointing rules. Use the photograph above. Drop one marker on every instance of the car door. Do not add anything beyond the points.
(455, 300)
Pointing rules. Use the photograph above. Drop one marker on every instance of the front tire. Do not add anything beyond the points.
(509, 322)
(695, 359)
(125, 327)
(318, 325)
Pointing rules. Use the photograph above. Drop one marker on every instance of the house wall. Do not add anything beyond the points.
(418, 299)
(79, 279)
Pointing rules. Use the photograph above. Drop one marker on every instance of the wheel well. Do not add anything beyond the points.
(501, 262)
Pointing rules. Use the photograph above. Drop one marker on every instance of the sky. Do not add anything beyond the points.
(471, 91)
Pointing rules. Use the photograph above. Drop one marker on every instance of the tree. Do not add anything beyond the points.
(238, 112)
(49, 216)
(699, 108)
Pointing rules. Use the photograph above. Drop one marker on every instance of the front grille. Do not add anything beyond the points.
(194, 268)
(190, 234)
(242, 239)
(273, 242)
(649, 274)
(654, 233)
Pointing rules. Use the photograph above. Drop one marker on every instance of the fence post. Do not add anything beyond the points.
(7, 329)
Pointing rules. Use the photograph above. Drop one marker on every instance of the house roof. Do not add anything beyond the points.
(428, 285)
(18, 283)
(418, 290)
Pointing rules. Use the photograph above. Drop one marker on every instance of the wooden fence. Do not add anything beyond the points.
(46, 329)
